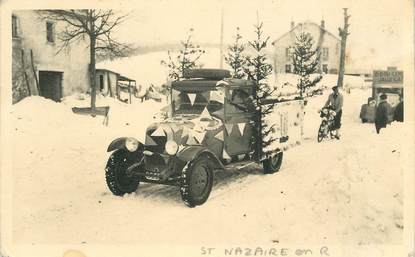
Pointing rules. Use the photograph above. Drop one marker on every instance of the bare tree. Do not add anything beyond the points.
(343, 32)
(95, 24)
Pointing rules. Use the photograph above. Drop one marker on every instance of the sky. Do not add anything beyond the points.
(380, 30)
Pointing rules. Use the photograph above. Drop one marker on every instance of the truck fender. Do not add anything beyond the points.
(119, 143)
(191, 153)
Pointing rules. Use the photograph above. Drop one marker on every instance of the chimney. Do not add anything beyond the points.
(323, 24)
(292, 24)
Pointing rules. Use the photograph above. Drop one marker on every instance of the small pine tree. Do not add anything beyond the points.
(258, 69)
(188, 57)
(305, 60)
(235, 58)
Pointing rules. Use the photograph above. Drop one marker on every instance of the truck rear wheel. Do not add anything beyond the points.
(196, 181)
(273, 163)
(115, 173)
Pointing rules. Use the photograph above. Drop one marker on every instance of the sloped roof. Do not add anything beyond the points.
(308, 23)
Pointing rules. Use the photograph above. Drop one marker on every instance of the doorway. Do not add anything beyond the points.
(50, 84)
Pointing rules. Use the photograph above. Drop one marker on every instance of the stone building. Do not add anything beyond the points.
(328, 43)
(37, 67)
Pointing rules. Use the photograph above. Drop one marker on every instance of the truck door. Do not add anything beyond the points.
(238, 124)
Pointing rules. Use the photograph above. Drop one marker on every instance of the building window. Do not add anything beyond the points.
(288, 53)
(14, 27)
(325, 68)
(288, 68)
(325, 53)
(101, 82)
(50, 33)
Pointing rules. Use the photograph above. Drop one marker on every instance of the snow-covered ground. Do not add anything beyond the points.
(348, 191)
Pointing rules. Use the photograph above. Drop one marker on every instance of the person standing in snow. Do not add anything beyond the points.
(398, 114)
(335, 102)
(382, 113)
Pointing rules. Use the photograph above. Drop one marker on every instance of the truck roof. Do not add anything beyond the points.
(209, 84)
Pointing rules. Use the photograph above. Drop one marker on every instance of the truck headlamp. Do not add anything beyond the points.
(131, 144)
(171, 147)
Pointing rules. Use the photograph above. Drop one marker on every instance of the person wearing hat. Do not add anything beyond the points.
(382, 113)
(398, 113)
(335, 102)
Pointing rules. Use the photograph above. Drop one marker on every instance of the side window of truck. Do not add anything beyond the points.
(240, 101)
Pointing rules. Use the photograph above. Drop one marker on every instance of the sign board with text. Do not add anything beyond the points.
(389, 76)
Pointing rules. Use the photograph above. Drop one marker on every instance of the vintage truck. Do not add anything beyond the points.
(210, 126)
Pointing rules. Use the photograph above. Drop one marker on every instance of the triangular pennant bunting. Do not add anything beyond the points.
(192, 98)
(219, 135)
(241, 157)
(174, 127)
(225, 155)
(205, 114)
(168, 130)
(229, 128)
(159, 132)
(199, 136)
(191, 141)
(241, 127)
(150, 141)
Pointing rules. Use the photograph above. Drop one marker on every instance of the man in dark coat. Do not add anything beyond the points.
(382, 113)
(398, 114)
(335, 101)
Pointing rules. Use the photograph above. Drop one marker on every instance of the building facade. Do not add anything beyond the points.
(37, 67)
(328, 43)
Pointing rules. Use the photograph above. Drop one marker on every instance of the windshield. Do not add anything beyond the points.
(194, 102)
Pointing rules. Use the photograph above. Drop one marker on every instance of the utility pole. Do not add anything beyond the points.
(343, 32)
(221, 41)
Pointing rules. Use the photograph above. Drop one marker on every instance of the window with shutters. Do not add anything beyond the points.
(325, 53)
(50, 32)
(15, 33)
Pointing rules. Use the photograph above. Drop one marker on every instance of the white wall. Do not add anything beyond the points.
(287, 40)
(73, 61)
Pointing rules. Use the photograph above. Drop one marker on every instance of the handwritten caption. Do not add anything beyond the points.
(261, 251)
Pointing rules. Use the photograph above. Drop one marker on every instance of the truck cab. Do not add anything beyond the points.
(211, 124)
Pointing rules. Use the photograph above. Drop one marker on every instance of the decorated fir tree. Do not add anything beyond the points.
(187, 58)
(258, 69)
(235, 58)
(306, 59)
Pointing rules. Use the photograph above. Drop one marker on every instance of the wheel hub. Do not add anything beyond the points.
(199, 180)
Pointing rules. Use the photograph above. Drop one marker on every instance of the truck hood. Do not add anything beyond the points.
(184, 129)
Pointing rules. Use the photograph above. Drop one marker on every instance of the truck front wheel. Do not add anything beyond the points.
(273, 163)
(117, 180)
(196, 181)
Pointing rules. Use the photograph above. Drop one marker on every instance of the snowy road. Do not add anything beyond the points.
(325, 192)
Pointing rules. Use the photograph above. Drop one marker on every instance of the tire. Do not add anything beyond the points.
(321, 133)
(273, 164)
(196, 181)
(117, 181)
